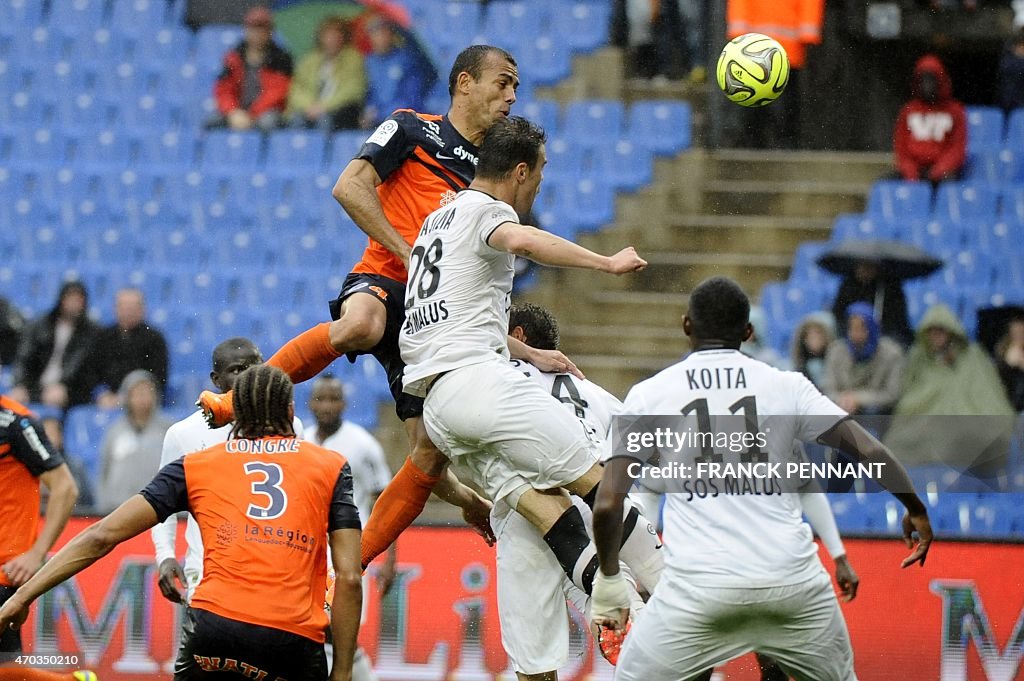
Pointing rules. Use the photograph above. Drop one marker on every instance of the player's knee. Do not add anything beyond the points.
(356, 331)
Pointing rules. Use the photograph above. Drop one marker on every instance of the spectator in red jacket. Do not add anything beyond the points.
(930, 139)
(252, 90)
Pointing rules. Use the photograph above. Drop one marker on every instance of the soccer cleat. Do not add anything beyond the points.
(218, 409)
(609, 641)
(85, 675)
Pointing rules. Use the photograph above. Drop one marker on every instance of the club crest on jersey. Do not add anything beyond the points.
(448, 197)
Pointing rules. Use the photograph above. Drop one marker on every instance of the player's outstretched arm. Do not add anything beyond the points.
(356, 191)
(131, 518)
(552, 250)
(851, 438)
(348, 600)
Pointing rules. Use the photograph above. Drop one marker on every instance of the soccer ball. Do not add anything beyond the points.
(753, 70)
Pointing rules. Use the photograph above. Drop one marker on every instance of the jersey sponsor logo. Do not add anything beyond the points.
(465, 155)
(226, 534)
(444, 157)
(381, 293)
(33, 440)
(383, 134)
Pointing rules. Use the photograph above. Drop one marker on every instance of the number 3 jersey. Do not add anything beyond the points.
(264, 508)
(457, 296)
(731, 532)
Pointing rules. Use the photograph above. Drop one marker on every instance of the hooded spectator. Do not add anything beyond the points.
(53, 364)
(948, 375)
(930, 138)
(329, 87)
(810, 344)
(863, 370)
(252, 90)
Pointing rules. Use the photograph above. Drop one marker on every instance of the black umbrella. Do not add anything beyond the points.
(895, 260)
(993, 323)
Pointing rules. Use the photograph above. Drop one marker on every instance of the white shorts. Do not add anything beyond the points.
(504, 432)
(686, 629)
(532, 593)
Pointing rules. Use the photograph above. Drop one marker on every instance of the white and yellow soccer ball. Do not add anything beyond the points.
(753, 70)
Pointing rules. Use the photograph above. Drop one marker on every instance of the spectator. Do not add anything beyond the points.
(864, 370)
(395, 72)
(930, 138)
(810, 344)
(1010, 362)
(128, 345)
(252, 90)
(756, 346)
(329, 88)
(131, 446)
(653, 35)
(11, 326)
(869, 284)
(947, 375)
(1011, 74)
(53, 364)
(51, 420)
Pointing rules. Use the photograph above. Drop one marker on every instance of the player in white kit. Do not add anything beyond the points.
(741, 572)
(495, 425)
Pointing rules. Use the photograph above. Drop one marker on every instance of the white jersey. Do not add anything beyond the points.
(370, 472)
(725, 538)
(457, 297)
(592, 404)
(189, 435)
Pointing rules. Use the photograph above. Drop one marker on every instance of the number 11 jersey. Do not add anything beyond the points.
(457, 296)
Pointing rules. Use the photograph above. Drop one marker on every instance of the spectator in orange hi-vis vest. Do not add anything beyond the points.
(794, 23)
(266, 504)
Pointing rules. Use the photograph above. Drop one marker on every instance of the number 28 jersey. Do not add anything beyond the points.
(457, 296)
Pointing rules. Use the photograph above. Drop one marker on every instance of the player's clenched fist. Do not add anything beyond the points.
(625, 261)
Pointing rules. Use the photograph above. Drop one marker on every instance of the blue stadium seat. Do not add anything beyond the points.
(805, 262)
(984, 127)
(1015, 130)
(167, 45)
(42, 145)
(513, 20)
(661, 126)
(550, 62)
(923, 293)
(553, 206)
(170, 149)
(15, 75)
(150, 112)
(81, 14)
(565, 160)
(223, 149)
(344, 146)
(788, 303)
(451, 25)
(581, 26)
(895, 200)
(961, 201)
(296, 150)
(101, 45)
(133, 15)
(111, 147)
(40, 45)
(21, 14)
(84, 428)
(25, 108)
(113, 245)
(594, 202)
(624, 165)
(858, 226)
(969, 267)
(85, 111)
(1011, 203)
(938, 235)
(593, 122)
(543, 112)
(124, 79)
(212, 43)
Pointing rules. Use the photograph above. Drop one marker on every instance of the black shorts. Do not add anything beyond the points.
(220, 645)
(10, 639)
(392, 294)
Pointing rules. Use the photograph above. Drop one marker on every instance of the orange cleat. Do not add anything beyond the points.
(218, 408)
(609, 641)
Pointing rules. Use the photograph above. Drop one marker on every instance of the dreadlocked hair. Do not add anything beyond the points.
(262, 397)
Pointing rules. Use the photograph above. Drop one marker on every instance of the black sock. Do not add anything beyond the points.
(572, 547)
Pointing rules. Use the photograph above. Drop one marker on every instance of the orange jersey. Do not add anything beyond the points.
(25, 454)
(264, 508)
(423, 161)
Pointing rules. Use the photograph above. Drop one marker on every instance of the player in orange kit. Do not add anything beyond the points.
(266, 502)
